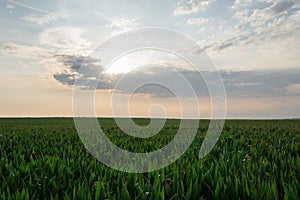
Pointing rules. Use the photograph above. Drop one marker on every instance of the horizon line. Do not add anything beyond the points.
(142, 117)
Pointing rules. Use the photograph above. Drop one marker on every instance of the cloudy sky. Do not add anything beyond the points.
(45, 46)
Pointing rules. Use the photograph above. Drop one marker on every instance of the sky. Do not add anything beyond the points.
(45, 46)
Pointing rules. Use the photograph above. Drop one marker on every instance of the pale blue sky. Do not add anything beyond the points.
(255, 44)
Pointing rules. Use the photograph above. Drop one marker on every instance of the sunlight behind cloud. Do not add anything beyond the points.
(122, 65)
(145, 58)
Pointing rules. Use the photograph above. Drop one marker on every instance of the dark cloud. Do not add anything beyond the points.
(65, 79)
(87, 71)
(84, 70)
(88, 66)
(259, 84)
(161, 81)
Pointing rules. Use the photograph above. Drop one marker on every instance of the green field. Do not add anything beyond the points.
(45, 159)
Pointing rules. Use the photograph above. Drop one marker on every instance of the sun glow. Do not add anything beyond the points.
(121, 65)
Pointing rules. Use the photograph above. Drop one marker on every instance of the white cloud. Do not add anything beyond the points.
(197, 21)
(51, 59)
(123, 24)
(35, 55)
(272, 44)
(67, 38)
(24, 51)
(44, 19)
(260, 17)
(273, 25)
(192, 6)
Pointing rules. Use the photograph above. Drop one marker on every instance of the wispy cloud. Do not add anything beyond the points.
(56, 44)
(28, 6)
(277, 21)
(64, 37)
(50, 17)
(34, 54)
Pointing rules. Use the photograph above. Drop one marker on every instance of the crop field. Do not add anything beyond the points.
(45, 159)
